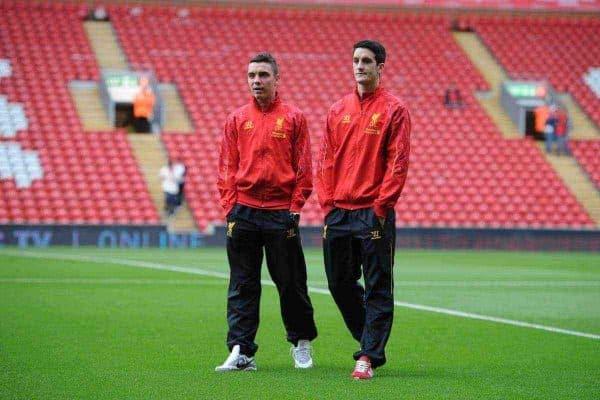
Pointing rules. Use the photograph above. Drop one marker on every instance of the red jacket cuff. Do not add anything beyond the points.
(228, 208)
(327, 210)
(380, 211)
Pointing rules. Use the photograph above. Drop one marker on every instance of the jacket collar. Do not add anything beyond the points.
(368, 96)
(274, 103)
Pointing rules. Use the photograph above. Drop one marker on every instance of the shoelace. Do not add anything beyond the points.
(243, 361)
(302, 353)
(362, 366)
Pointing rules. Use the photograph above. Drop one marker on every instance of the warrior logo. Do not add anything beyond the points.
(230, 226)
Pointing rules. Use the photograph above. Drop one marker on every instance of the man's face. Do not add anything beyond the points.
(262, 80)
(366, 70)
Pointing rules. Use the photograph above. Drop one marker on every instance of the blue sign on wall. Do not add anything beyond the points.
(121, 236)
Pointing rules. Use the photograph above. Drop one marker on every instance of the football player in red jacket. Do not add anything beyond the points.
(264, 180)
(362, 169)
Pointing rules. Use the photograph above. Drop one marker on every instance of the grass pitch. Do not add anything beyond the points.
(108, 324)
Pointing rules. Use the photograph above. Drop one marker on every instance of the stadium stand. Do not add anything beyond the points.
(12, 118)
(53, 171)
(22, 166)
(462, 172)
(563, 51)
(560, 50)
(592, 79)
(5, 69)
(588, 155)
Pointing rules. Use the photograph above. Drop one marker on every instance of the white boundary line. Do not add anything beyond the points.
(404, 284)
(165, 267)
(112, 281)
(491, 284)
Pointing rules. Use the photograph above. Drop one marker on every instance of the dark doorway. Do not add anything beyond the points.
(123, 115)
(530, 126)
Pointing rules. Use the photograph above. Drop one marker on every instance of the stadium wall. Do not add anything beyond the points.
(465, 238)
(104, 236)
(130, 236)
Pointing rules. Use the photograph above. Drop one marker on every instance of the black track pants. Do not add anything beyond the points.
(351, 240)
(248, 231)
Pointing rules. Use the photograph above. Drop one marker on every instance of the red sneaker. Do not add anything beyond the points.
(363, 369)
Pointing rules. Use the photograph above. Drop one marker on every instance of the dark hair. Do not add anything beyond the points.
(265, 57)
(376, 47)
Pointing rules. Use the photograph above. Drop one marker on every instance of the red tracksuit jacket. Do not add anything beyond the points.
(265, 159)
(364, 153)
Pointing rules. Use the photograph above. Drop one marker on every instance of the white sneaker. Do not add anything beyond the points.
(237, 362)
(302, 354)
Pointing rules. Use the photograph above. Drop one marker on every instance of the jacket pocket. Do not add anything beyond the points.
(232, 213)
(334, 216)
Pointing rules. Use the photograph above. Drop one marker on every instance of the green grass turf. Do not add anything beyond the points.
(98, 330)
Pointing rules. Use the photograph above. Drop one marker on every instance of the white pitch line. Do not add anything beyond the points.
(110, 281)
(491, 284)
(450, 284)
(164, 267)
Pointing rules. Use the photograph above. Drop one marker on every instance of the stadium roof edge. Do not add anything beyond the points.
(518, 7)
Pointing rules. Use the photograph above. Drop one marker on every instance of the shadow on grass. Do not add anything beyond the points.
(329, 371)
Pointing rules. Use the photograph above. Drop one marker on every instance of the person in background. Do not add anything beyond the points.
(170, 187)
(541, 115)
(561, 133)
(453, 97)
(98, 14)
(143, 107)
(550, 128)
(180, 171)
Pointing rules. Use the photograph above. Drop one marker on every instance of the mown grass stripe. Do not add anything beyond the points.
(195, 271)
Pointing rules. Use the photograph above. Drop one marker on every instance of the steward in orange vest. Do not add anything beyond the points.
(143, 107)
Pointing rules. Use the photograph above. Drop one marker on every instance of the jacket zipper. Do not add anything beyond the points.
(355, 138)
(262, 195)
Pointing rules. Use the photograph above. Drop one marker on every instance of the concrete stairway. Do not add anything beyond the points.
(86, 95)
(150, 155)
(92, 113)
(583, 127)
(577, 181)
(494, 75)
(176, 116)
(147, 148)
(182, 221)
(105, 45)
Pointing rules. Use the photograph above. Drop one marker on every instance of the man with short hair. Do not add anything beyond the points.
(264, 180)
(362, 169)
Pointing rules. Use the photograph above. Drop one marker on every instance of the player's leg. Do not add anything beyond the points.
(377, 256)
(287, 267)
(342, 266)
(244, 252)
